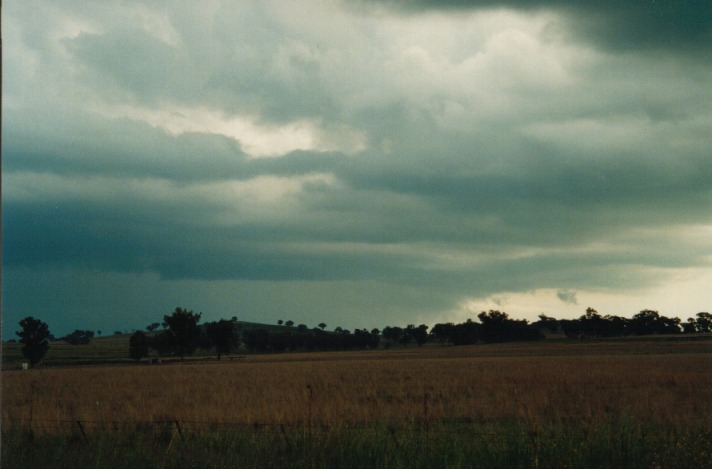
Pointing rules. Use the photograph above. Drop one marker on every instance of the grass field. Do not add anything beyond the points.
(633, 403)
(109, 349)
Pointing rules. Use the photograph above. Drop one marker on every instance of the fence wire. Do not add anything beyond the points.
(55, 426)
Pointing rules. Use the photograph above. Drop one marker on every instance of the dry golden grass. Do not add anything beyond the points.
(665, 382)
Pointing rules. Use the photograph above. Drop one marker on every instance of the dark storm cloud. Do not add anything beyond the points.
(540, 200)
(614, 24)
(126, 148)
(382, 164)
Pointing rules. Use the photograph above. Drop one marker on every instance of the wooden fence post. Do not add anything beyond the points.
(286, 438)
(179, 430)
(311, 400)
(81, 429)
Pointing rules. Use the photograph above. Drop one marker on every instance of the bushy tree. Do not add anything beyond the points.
(34, 338)
(419, 334)
(442, 332)
(163, 343)
(466, 333)
(392, 334)
(257, 340)
(651, 322)
(78, 337)
(493, 325)
(704, 322)
(183, 326)
(548, 323)
(497, 327)
(592, 323)
(375, 338)
(690, 326)
(138, 346)
(221, 336)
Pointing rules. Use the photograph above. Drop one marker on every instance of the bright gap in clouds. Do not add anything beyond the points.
(256, 139)
(682, 295)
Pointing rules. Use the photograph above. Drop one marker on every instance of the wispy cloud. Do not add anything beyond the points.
(567, 296)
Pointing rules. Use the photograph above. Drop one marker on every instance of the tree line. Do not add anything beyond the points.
(182, 334)
(496, 326)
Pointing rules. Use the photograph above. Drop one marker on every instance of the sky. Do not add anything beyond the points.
(361, 163)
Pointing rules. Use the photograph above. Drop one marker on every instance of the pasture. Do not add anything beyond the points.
(633, 403)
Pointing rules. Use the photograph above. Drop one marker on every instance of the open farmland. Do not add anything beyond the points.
(634, 403)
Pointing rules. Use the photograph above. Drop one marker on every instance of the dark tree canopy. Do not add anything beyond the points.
(221, 335)
(257, 340)
(651, 322)
(418, 334)
(498, 327)
(138, 345)
(184, 335)
(392, 333)
(34, 337)
(183, 326)
(703, 322)
(163, 343)
(78, 337)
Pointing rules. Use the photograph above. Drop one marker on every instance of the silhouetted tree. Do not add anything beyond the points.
(406, 336)
(78, 337)
(690, 326)
(34, 338)
(591, 323)
(419, 334)
(322, 326)
(704, 322)
(138, 345)
(163, 343)
(571, 328)
(221, 336)
(651, 322)
(497, 327)
(493, 327)
(615, 326)
(183, 325)
(392, 333)
(548, 323)
(466, 333)
(257, 340)
(442, 332)
(375, 338)
(289, 323)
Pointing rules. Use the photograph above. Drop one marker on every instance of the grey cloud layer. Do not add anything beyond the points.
(506, 161)
(615, 24)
